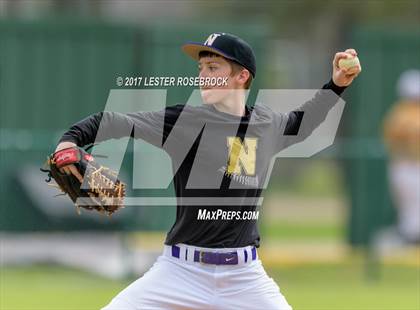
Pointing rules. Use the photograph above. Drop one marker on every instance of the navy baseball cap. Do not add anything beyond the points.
(226, 45)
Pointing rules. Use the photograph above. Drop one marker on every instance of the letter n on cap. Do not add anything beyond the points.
(211, 38)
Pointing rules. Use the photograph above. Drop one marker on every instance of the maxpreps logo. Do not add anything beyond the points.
(155, 170)
(220, 214)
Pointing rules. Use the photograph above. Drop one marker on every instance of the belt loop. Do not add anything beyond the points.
(196, 256)
(254, 253)
(175, 251)
(190, 254)
(245, 255)
(186, 253)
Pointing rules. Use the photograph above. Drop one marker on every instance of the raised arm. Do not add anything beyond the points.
(297, 125)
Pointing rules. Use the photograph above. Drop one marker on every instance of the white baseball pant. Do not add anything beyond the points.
(175, 283)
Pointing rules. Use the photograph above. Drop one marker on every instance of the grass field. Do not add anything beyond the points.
(311, 286)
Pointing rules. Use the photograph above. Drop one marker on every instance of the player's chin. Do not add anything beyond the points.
(207, 95)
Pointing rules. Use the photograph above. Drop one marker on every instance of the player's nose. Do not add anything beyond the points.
(203, 73)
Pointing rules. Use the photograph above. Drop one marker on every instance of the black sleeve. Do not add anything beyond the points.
(297, 125)
(149, 126)
(84, 131)
(338, 90)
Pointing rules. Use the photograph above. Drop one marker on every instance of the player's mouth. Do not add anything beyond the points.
(205, 90)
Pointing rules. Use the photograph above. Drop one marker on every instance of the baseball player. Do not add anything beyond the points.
(402, 137)
(210, 258)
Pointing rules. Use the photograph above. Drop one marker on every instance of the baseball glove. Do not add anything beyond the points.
(97, 186)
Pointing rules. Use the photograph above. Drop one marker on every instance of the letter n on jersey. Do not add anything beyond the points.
(241, 155)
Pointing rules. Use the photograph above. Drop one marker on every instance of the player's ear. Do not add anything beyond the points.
(243, 76)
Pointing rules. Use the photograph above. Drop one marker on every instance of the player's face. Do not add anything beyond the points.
(216, 67)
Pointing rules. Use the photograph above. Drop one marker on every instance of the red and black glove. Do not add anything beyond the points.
(91, 186)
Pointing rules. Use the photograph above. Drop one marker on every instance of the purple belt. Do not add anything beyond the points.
(215, 258)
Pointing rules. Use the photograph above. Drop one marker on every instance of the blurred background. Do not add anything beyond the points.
(339, 230)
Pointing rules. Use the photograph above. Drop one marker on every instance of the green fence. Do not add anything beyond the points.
(52, 74)
(385, 54)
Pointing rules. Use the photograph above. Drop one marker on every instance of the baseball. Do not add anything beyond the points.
(347, 63)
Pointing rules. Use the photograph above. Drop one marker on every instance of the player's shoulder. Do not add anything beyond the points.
(180, 107)
(183, 108)
(262, 111)
(174, 110)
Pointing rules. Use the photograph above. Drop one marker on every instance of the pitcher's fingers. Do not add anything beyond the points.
(76, 173)
(353, 70)
(352, 76)
(351, 51)
(338, 56)
(65, 170)
(353, 73)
